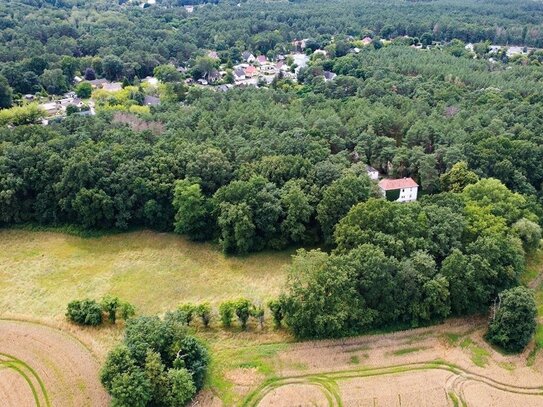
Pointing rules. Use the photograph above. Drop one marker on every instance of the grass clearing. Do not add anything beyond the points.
(41, 271)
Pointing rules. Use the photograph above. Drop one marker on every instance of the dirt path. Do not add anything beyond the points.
(44, 366)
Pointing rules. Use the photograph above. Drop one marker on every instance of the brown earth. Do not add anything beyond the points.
(65, 367)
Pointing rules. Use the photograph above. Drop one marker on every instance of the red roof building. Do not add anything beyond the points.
(250, 71)
(407, 187)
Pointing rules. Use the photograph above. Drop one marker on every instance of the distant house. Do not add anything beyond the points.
(189, 9)
(261, 59)
(113, 86)
(400, 190)
(150, 80)
(239, 74)
(512, 51)
(98, 83)
(250, 71)
(280, 65)
(328, 76)
(213, 76)
(213, 55)
(202, 82)
(367, 41)
(248, 57)
(372, 172)
(151, 101)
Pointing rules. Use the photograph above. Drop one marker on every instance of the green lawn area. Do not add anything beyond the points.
(40, 272)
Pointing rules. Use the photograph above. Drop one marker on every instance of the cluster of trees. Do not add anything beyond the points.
(412, 264)
(514, 321)
(90, 312)
(158, 364)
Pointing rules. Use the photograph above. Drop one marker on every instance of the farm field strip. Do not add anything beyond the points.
(328, 382)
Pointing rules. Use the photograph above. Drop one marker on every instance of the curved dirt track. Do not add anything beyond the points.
(432, 384)
(44, 366)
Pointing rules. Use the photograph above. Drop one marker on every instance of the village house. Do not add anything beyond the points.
(406, 189)
(250, 71)
(261, 59)
(113, 86)
(239, 74)
(248, 57)
(372, 172)
(328, 76)
(98, 83)
(367, 41)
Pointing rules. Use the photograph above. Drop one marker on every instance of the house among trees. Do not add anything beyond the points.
(372, 173)
(400, 190)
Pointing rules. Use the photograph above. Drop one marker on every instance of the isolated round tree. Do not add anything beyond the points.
(515, 320)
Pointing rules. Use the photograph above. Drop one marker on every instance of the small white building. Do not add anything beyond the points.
(407, 188)
(372, 172)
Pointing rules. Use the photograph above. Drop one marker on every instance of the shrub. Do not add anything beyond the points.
(257, 312)
(276, 308)
(85, 312)
(126, 310)
(204, 312)
(109, 306)
(515, 321)
(187, 310)
(242, 309)
(226, 312)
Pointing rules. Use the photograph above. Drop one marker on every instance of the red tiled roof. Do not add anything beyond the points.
(261, 58)
(392, 184)
(250, 70)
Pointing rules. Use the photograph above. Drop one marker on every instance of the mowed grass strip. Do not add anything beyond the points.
(40, 272)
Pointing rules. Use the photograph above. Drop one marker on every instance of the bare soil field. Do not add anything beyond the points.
(43, 366)
(445, 365)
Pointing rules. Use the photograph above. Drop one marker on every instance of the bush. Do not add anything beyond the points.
(204, 312)
(242, 308)
(515, 321)
(187, 310)
(127, 310)
(276, 308)
(85, 312)
(109, 306)
(226, 312)
(257, 312)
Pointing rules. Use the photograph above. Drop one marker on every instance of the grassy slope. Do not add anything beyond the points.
(41, 271)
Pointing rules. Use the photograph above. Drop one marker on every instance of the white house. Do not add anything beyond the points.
(372, 172)
(407, 188)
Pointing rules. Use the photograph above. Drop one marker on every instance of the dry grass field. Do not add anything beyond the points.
(41, 271)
